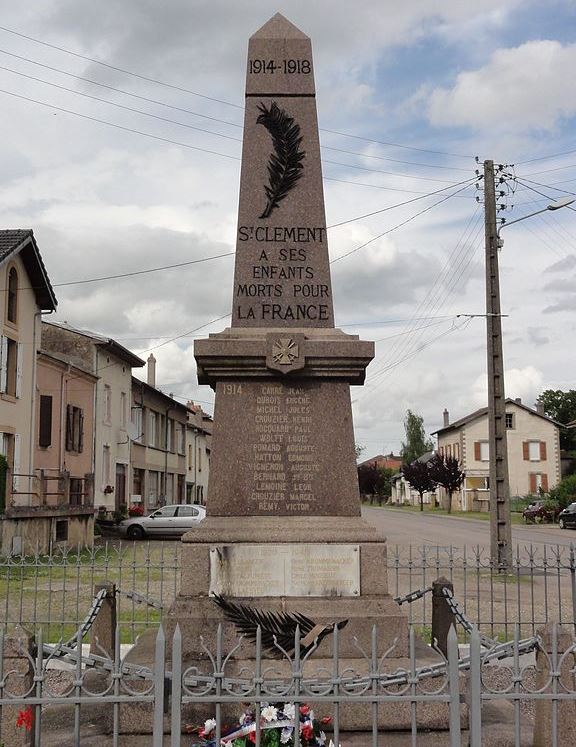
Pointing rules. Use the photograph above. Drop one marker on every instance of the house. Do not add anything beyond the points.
(27, 295)
(198, 443)
(159, 444)
(533, 441)
(404, 494)
(390, 461)
(112, 364)
(64, 452)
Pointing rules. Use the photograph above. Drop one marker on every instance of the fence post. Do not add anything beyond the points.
(443, 618)
(18, 672)
(555, 674)
(103, 631)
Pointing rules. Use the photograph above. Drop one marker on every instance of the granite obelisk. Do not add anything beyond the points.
(283, 527)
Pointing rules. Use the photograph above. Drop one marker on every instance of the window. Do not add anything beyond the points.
(538, 482)
(122, 409)
(152, 425)
(61, 531)
(181, 435)
(457, 451)
(74, 429)
(484, 451)
(107, 404)
(76, 491)
(169, 434)
(188, 511)
(137, 423)
(152, 488)
(45, 424)
(534, 451)
(137, 482)
(509, 420)
(199, 459)
(166, 511)
(190, 456)
(169, 492)
(12, 309)
(10, 366)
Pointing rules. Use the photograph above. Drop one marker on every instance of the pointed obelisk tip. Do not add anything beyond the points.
(279, 27)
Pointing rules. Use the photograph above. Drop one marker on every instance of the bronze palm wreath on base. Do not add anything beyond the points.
(277, 629)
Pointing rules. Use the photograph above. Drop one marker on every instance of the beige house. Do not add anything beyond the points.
(27, 294)
(64, 453)
(112, 364)
(533, 441)
(159, 445)
(198, 443)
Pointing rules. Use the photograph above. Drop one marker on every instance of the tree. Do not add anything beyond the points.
(565, 492)
(358, 449)
(416, 441)
(561, 407)
(374, 481)
(447, 473)
(420, 479)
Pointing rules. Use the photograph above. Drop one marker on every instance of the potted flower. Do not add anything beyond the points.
(136, 509)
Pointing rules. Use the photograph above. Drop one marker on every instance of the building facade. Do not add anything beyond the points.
(383, 461)
(198, 443)
(28, 294)
(112, 364)
(533, 442)
(159, 445)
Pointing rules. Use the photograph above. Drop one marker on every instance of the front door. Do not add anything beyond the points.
(120, 489)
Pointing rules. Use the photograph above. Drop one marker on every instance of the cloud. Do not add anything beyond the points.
(537, 337)
(563, 265)
(520, 89)
(525, 383)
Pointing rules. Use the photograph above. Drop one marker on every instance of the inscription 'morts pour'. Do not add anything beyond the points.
(285, 164)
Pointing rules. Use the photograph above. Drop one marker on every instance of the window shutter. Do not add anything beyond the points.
(3, 363)
(526, 451)
(45, 430)
(545, 482)
(19, 351)
(16, 467)
(542, 450)
(477, 454)
(69, 428)
(533, 488)
(81, 431)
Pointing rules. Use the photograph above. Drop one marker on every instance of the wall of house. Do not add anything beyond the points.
(66, 387)
(17, 413)
(112, 430)
(29, 535)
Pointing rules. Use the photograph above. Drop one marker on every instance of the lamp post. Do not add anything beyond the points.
(500, 520)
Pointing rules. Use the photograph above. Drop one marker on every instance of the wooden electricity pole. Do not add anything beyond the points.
(500, 519)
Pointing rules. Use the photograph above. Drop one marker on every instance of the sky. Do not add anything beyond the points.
(120, 140)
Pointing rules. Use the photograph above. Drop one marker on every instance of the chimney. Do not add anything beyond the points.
(540, 408)
(518, 400)
(446, 415)
(151, 370)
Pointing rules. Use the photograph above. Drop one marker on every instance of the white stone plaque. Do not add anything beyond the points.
(291, 570)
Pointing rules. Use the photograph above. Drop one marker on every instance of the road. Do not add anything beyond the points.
(412, 528)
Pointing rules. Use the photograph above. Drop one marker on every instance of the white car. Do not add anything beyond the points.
(169, 521)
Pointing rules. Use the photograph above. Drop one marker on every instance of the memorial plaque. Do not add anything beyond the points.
(287, 570)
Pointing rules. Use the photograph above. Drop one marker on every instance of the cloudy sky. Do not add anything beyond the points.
(120, 134)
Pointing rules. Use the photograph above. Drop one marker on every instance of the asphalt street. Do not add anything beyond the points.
(404, 528)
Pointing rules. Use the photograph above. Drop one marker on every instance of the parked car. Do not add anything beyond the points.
(538, 511)
(169, 521)
(567, 517)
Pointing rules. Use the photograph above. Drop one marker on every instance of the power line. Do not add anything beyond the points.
(119, 127)
(120, 69)
(401, 204)
(219, 101)
(545, 158)
(398, 225)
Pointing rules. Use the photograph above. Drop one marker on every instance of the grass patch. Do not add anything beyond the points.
(482, 515)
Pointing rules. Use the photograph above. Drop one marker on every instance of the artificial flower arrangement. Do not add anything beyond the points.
(277, 724)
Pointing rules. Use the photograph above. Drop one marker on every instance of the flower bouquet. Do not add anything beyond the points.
(277, 723)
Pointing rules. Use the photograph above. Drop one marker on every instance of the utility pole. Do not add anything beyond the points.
(500, 519)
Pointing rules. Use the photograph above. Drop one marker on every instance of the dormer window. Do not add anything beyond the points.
(12, 295)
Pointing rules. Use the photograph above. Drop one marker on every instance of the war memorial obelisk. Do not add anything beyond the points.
(283, 529)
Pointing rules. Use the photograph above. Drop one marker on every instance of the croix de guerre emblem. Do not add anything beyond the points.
(285, 354)
(284, 351)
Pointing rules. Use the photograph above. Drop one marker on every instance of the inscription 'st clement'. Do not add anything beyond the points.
(282, 276)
